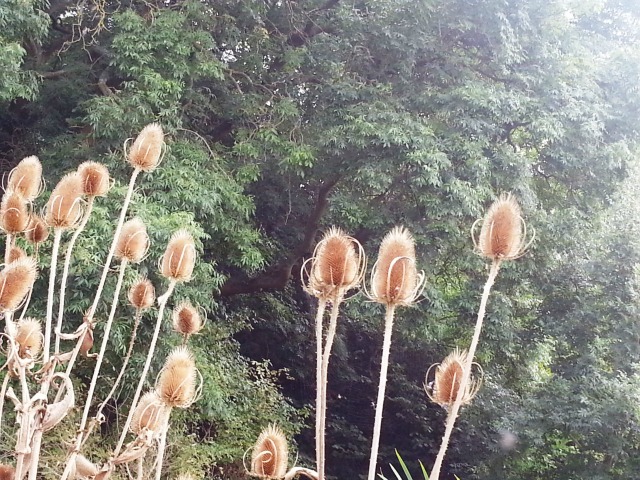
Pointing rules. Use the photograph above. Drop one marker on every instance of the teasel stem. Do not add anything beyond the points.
(22, 441)
(162, 303)
(3, 392)
(384, 366)
(65, 270)
(7, 247)
(125, 363)
(140, 468)
(162, 445)
(322, 305)
(52, 281)
(455, 408)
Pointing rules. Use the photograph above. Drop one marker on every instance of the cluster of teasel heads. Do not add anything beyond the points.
(38, 369)
(337, 266)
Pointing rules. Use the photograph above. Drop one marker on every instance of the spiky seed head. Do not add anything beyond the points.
(186, 319)
(63, 208)
(26, 178)
(150, 414)
(395, 279)
(147, 148)
(7, 472)
(133, 241)
(337, 265)
(16, 253)
(85, 468)
(142, 294)
(179, 258)
(14, 212)
(29, 338)
(448, 378)
(37, 230)
(16, 279)
(270, 454)
(501, 235)
(95, 179)
(177, 382)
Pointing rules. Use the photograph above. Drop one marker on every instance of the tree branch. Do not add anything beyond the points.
(277, 277)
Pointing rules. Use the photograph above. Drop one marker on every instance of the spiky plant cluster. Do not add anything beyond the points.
(40, 362)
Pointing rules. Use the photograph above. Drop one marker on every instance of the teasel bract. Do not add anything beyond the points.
(395, 281)
(337, 266)
(503, 237)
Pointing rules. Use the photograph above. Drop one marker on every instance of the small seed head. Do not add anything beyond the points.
(7, 472)
(150, 414)
(177, 382)
(501, 235)
(95, 179)
(179, 258)
(29, 338)
(448, 378)
(142, 294)
(14, 212)
(133, 241)
(26, 178)
(16, 253)
(16, 279)
(147, 148)
(186, 319)
(37, 230)
(270, 454)
(63, 208)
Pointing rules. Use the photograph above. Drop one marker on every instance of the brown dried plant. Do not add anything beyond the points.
(179, 258)
(448, 378)
(270, 455)
(26, 178)
(146, 152)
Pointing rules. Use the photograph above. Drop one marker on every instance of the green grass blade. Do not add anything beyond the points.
(404, 466)
(424, 471)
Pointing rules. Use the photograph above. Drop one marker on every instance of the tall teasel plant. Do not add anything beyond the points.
(34, 349)
(338, 265)
(503, 237)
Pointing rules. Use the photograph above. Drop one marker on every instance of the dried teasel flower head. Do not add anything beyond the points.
(503, 235)
(337, 265)
(95, 179)
(87, 341)
(179, 258)
(84, 468)
(7, 472)
(186, 319)
(14, 212)
(142, 294)
(270, 454)
(448, 377)
(176, 384)
(37, 230)
(63, 209)
(395, 279)
(26, 178)
(28, 337)
(16, 279)
(150, 414)
(146, 151)
(16, 253)
(133, 241)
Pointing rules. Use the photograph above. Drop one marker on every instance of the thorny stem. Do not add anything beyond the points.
(331, 333)
(65, 271)
(455, 408)
(52, 281)
(384, 365)
(7, 247)
(322, 305)
(162, 302)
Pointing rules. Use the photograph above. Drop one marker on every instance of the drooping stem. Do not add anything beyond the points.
(125, 363)
(322, 305)
(65, 271)
(382, 386)
(162, 303)
(52, 280)
(331, 333)
(455, 408)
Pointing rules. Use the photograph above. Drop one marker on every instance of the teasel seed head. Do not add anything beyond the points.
(95, 179)
(37, 230)
(270, 454)
(395, 279)
(142, 294)
(503, 235)
(28, 336)
(26, 178)
(150, 414)
(186, 319)
(84, 468)
(16, 279)
(179, 258)
(63, 208)
(337, 265)
(146, 151)
(7, 472)
(16, 253)
(14, 212)
(177, 381)
(133, 241)
(448, 376)
(87, 341)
